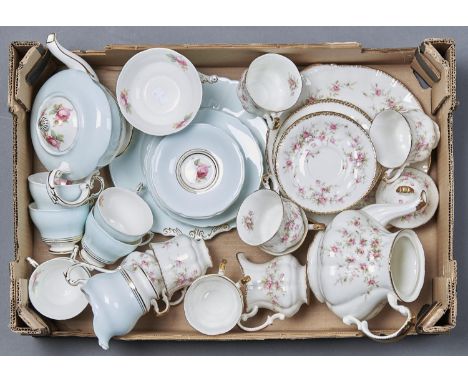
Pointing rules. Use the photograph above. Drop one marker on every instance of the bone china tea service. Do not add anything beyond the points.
(335, 157)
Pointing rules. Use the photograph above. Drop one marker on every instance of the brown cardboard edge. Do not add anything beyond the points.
(264, 335)
(427, 323)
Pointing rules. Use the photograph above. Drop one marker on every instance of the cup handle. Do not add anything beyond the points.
(148, 239)
(206, 79)
(166, 305)
(272, 121)
(32, 262)
(269, 182)
(179, 300)
(393, 337)
(391, 174)
(86, 194)
(269, 320)
(316, 227)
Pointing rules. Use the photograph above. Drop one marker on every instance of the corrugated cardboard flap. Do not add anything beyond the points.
(429, 63)
(34, 68)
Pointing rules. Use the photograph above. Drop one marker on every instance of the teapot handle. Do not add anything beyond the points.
(395, 336)
(86, 194)
(269, 320)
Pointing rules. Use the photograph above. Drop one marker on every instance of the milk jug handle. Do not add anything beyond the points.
(269, 320)
(393, 337)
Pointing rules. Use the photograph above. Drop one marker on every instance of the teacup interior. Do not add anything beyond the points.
(125, 211)
(50, 293)
(213, 305)
(260, 217)
(268, 82)
(391, 135)
(407, 266)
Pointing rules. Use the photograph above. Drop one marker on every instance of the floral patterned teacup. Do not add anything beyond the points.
(401, 139)
(275, 224)
(270, 85)
(279, 285)
(181, 260)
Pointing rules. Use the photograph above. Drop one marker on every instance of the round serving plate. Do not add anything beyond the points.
(159, 91)
(71, 122)
(198, 173)
(325, 163)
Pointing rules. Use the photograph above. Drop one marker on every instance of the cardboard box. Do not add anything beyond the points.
(434, 62)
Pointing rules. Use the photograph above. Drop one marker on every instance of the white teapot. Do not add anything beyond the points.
(356, 265)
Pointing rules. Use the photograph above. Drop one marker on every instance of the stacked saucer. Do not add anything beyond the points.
(195, 181)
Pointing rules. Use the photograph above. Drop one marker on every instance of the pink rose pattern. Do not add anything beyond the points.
(382, 98)
(203, 170)
(309, 142)
(359, 253)
(248, 221)
(274, 283)
(293, 84)
(424, 141)
(182, 123)
(179, 61)
(124, 100)
(60, 116)
(148, 263)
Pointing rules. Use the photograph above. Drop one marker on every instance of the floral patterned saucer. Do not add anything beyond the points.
(407, 188)
(159, 91)
(325, 163)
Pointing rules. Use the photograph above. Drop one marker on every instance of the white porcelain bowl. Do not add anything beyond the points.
(159, 91)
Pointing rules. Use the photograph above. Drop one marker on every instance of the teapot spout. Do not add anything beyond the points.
(384, 213)
(69, 59)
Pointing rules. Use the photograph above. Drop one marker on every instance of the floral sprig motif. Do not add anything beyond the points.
(179, 61)
(309, 143)
(183, 122)
(124, 100)
(248, 221)
(274, 283)
(359, 253)
(202, 169)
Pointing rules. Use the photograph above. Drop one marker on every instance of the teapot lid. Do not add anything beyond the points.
(71, 123)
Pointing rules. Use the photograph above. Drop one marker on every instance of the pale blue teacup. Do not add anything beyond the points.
(99, 248)
(60, 229)
(38, 189)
